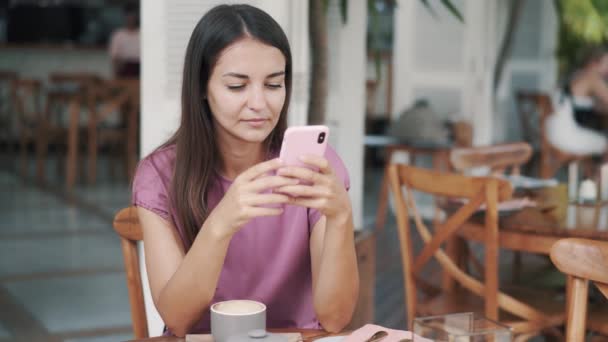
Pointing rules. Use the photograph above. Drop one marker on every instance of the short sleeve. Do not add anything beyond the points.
(341, 172)
(149, 190)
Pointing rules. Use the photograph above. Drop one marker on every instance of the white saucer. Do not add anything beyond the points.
(331, 339)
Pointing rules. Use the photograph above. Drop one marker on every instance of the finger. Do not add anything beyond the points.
(270, 182)
(302, 191)
(317, 161)
(263, 199)
(313, 203)
(261, 169)
(300, 173)
(261, 211)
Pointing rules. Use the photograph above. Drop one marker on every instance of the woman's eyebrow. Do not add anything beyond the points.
(275, 74)
(245, 77)
(237, 75)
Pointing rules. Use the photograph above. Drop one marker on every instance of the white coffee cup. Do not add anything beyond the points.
(236, 317)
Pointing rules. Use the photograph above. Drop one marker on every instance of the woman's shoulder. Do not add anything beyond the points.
(159, 163)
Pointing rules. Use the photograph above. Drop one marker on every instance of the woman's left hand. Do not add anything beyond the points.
(321, 190)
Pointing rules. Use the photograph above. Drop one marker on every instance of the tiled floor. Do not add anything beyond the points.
(61, 267)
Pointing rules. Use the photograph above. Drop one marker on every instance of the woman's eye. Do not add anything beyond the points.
(274, 86)
(236, 86)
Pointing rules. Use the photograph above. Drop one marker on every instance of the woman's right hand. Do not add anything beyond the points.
(247, 198)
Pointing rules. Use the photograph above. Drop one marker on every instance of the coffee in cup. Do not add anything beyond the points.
(236, 317)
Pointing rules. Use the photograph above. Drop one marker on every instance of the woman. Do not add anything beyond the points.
(588, 90)
(222, 217)
(124, 45)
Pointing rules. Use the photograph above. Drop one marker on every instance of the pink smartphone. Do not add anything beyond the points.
(303, 140)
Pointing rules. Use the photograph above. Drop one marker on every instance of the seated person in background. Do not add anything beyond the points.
(218, 222)
(588, 90)
(124, 45)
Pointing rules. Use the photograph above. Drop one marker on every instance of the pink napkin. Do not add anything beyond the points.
(366, 331)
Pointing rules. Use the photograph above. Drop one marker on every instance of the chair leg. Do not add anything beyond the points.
(382, 201)
(42, 145)
(576, 308)
(72, 155)
(23, 153)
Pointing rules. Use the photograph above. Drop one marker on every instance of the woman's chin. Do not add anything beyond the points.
(254, 137)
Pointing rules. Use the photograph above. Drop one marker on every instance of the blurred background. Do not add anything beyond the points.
(87, 88)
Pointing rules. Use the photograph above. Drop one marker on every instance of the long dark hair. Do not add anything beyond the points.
(197, 156)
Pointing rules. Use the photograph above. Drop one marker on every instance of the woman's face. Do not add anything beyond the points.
(246, 90)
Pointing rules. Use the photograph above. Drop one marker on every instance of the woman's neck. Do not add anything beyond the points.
(238, 156)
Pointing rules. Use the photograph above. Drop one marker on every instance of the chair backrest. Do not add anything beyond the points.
(28, 101)
(126, 224)
(496, 157)
(477, 191)
(582, 261)
(7, 92)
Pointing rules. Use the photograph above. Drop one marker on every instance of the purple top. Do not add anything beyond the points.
(268, 260)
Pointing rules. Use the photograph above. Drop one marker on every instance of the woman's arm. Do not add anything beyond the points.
(334, 271)
(334, 263)
(181, 288)
(183, 284)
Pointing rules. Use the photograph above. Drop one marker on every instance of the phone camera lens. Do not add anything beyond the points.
(321, 137)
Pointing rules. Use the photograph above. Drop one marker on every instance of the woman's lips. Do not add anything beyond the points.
(258, 122)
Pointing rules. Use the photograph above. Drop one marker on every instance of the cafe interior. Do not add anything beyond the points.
(474, 133)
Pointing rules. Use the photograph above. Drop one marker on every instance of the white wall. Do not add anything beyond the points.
(346, 98)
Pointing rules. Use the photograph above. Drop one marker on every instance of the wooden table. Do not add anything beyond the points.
(536, 229)
(307, 335)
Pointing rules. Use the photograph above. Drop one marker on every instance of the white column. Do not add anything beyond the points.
(403, 42)
(346, 98)
(479, 68)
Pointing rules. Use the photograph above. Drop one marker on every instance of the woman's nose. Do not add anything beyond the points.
(256, 100)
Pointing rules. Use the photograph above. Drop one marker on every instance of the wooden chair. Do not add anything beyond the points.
(126, 224)
(498, 158)
(582, 261)
(471, 294)
(68, 93)
(122, 96)
(27, 104)
(462, 133)
(534, 108)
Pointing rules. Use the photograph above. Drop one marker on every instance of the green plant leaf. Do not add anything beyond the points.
(344, 10)
(450, 6)
(429, 8)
